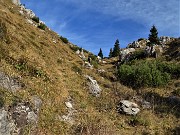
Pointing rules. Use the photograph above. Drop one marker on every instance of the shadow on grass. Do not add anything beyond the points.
(164, 105)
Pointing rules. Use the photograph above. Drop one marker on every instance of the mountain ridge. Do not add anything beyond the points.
(55, 87)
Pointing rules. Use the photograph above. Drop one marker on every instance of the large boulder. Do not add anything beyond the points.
(128, 107)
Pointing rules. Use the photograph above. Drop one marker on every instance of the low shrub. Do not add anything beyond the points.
(65, 40)
(75, 48)
(143, 74)
(138, 121)
(140, 54)
(77, 69)
(42, 26)
(36, 19)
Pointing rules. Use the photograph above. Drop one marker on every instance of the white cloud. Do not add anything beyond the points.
(164, 14)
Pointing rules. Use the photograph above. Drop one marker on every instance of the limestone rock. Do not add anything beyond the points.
(32, 117)
(37, 102)
(16, 2)
(7, 126)
(128, 107)
(9, 83)
(93, 86)
(88, 65)
(68, 105)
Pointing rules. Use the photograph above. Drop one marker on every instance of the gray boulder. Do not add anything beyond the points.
(7, 125)
(10, 83)
(37, 102)
(93, 86)
(128, 107)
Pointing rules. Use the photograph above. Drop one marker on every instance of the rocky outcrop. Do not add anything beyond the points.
(14, 119)
(16, 2)
(69, 117)
(7, 125)
(126, 54)
(93, 86)
(128, 107)
(88, 65)
(10, 83)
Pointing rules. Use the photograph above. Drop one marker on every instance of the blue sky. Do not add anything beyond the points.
(95, 24)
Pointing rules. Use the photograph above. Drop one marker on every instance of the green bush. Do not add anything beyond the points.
(36, 19)
(140, 54)
(171, 68)
(42, 26)
(65, 40)
(143, 74)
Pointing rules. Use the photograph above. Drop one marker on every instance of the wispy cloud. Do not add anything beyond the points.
(165, 14)
(95, 24)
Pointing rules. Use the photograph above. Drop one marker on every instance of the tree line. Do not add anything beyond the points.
(115, 51)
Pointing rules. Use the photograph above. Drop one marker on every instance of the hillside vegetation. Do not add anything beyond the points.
(42, 72)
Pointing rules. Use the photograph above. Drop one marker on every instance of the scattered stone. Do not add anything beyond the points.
(101, 71)
(93, 86)
(78, 52)
(128, 107)
(68, 105)
(81, 55)
(54, 41)
(71, 112)
(104, 62)
(88, 65)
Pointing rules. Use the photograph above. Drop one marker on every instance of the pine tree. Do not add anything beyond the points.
(100, 54)
(153, 36)
(116, 49)
(110, 53)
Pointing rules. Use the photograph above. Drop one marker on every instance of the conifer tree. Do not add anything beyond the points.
(116, 49)
(110, 53)
(100, 54)
(153, 36)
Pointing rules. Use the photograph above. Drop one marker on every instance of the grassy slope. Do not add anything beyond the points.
(57, 62)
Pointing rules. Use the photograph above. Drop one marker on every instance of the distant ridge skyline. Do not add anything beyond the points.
(94, 24)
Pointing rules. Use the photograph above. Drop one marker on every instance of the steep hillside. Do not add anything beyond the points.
(49, 88)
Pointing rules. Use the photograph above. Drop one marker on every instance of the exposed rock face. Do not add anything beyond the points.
(69, 117)
(29, 13)
(165, 39)
(7, 125)
(125, 54)
(155, 50)
(81, 55)
(10, 83)
(88, 65)
(14, 119)
(93, 86)
(128, 107)
(16, 2)
(37, 102)
(138, 44)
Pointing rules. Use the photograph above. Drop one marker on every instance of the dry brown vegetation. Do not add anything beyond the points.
(49, 70)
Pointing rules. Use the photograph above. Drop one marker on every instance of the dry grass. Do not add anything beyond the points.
(60, 64)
